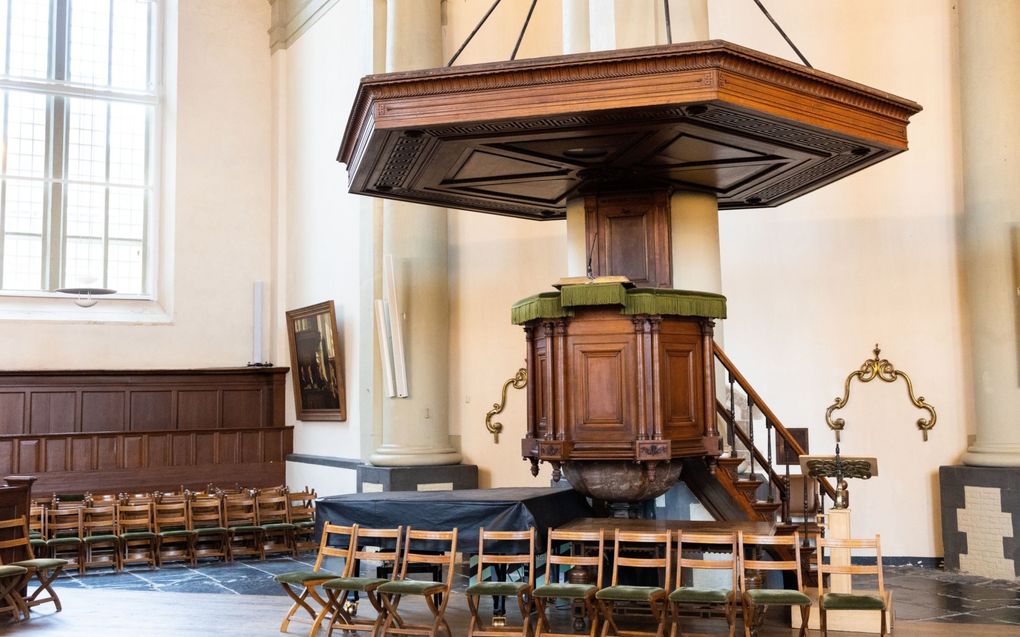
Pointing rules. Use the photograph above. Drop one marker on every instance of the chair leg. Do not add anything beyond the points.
(821, 617)
(882, 634)
(45, 577)
(524, 602)
(805, 616)
(731, 616)
(299, 602)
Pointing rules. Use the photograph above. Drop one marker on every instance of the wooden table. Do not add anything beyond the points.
(658, 526)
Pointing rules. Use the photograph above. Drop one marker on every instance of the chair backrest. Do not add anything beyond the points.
(438, 548)
(716, 543)
(63, 522)
(300, 505)
(824, 548)
(337, 541)
(660, 545)
(587, 539)
(750, 559)
(520, 559)
(37, 520)
(99, 520)
(18, 539)
(170, 516)
(239, 510)
(381, 540)
(134, 518)
(272, 509)
(205, 512)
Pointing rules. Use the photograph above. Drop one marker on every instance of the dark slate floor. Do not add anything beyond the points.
(919, 594)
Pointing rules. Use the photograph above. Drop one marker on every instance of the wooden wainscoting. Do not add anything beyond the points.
(137, 430)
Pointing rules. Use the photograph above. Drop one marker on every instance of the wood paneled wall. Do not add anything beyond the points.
(144, 429)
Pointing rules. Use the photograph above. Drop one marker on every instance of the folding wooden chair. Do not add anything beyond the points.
(99, 535)
(584, 544)
(340, 589)
(43, 569)
(302, 516)
(64, 531)
(702, 598)
(205, 515)
(337, 542)
(12, 579)
(138, 540)
(245, 535)
(756, 601)
(273, 517)
(654, 553)
(176, 538)
(436, 548)
(872, 600)
(499, 564)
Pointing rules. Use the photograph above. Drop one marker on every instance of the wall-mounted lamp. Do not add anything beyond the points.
(86, 297)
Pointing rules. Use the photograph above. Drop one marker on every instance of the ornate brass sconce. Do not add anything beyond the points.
(519, 381)
(883, 370)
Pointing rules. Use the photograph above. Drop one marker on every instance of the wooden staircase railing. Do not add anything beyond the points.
(745, 485)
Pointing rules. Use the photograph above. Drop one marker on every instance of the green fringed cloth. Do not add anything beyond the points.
(660, 301)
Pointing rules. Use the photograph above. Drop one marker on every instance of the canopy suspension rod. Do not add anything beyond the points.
(513, 56)
(669, 29)
(475, 30)
(778, 28)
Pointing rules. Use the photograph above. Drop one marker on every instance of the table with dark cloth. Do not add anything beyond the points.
(503, 509)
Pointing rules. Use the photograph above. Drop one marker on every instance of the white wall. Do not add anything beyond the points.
(324, 243)
(218, 193)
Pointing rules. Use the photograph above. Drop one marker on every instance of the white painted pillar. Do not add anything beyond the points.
(990, 89)
(576, 39)
(416, 428)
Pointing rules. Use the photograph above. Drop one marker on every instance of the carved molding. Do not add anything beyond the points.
(291, 18)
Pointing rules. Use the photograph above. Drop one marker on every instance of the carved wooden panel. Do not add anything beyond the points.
(12, 413)
(628, 234)
(681, 404)
(197, 409)
(52, 412)
(601, 389)
(102, 410)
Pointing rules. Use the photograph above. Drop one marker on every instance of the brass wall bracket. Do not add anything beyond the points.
(519, 381)
(883, 370)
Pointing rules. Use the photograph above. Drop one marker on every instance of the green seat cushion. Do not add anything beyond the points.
(92, 539)
(37, 542)
(692, 595)
(849, 601)
(138, 535)
(41, 563)
(496, 588)
(767, 596)
(564, 591)
(304, 524)
(300, 577)
(411, 587)
(34, 535)
(630, 593)
(245, 528)
(176, 533)
(278, 526)
(10, 570)
(56, 541)
(354, 583)
(211, 530)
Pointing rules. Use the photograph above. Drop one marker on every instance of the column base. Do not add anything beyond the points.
(406, 456)
(992, 456)
(981, 520)
(421, 478)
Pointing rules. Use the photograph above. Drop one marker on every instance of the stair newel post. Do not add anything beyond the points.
(768, 452)
(733, 419)
(750, 431)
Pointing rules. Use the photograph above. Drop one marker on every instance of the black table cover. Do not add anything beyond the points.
(503, 509)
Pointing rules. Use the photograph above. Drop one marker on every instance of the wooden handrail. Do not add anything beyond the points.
(753, 396)
(774, 477)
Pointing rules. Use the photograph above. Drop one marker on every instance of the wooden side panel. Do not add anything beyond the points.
(197, 409)
(56, 454)
(107, 453)
(12, 412)
(205, 448)
(7, 455)
(632, 237)
(601, 389)
(183, 450)
(151, 410)
(29, 456)
(679, 391)
(157, 451)
(134, 451)
(103, 410)
(242, 408)
(81, 454)
(52, 412)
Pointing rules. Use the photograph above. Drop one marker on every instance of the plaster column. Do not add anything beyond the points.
(990, 88)
(576, 39)
(416, 428)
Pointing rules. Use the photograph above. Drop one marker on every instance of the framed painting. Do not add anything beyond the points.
(317, 364)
